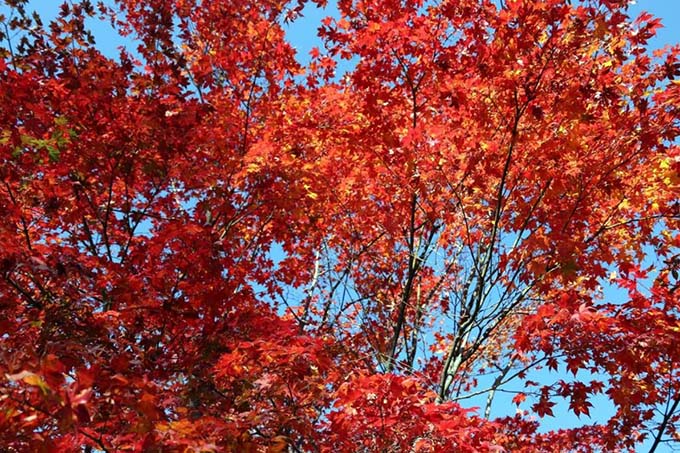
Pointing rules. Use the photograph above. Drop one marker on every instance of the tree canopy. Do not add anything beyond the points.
(458, 219)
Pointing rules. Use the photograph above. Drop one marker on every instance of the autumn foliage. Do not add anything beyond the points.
(453, 225)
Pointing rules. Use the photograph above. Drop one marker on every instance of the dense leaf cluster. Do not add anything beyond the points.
(457, 219)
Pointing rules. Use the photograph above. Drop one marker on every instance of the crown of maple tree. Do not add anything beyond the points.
(457, 219)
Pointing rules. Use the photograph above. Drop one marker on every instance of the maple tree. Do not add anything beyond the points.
(209, 246)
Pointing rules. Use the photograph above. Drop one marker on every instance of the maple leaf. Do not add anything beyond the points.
(519, 398)
(543, 408)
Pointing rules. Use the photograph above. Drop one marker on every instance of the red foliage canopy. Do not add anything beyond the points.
(207, 246)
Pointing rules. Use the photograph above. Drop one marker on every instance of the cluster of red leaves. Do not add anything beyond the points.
(391, 413)
(208, 247)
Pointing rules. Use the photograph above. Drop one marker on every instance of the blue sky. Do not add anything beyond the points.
(669, 12)
(302, 32)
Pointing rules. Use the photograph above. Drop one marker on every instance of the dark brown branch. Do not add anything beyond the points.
(664, 423)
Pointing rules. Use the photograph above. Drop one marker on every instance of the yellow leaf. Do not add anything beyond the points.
(310, 194)
(665, 164)
(33, 379)
(30, 379)
(5, 136)
(252, 167)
